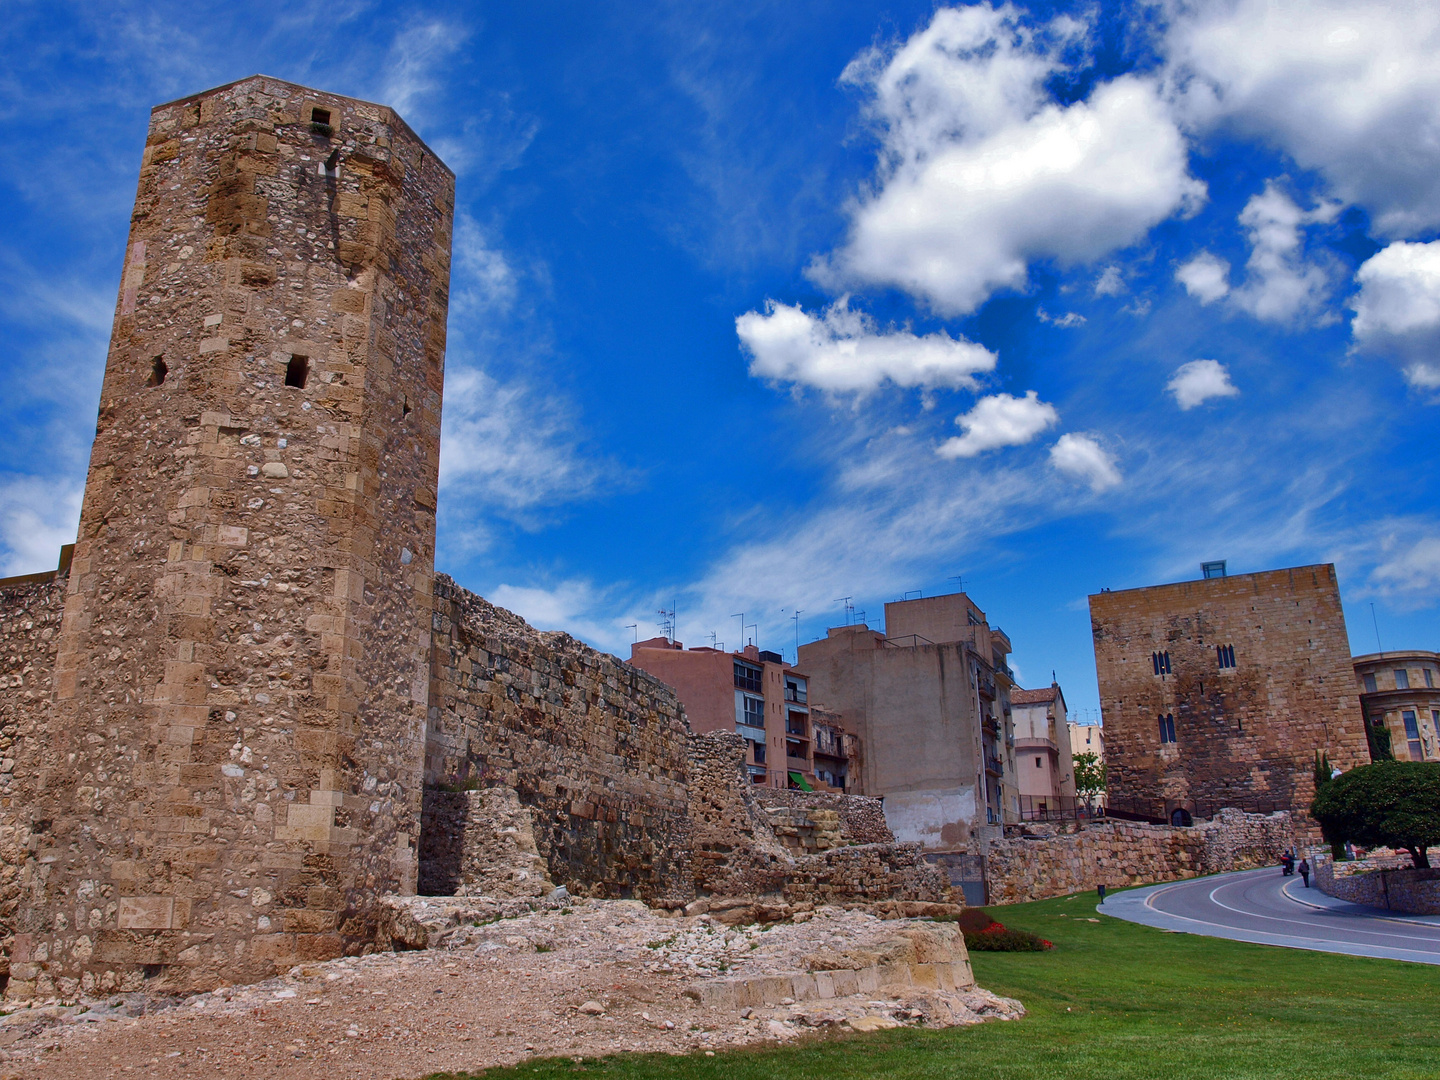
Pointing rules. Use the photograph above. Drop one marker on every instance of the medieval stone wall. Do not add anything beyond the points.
(1390, 883)
(1120, 853)
(30, 612)
(1245, 734)
(737, 854)
(593, 747)
(862, 818)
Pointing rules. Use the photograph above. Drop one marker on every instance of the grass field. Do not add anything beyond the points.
(1117, 1001)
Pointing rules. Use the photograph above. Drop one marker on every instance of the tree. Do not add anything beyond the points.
(1089, 776)
(1387, 804)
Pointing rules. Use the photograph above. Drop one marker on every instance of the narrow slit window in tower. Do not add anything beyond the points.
(297, 371)
(158, 371)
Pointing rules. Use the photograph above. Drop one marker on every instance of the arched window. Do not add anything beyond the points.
(1181, 817)
(1166, 722)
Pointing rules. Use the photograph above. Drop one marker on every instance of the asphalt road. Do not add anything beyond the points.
(1263, 907)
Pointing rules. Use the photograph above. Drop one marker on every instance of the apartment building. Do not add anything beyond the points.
(1044, 768)
(752, 692)
(1219, 692)
(1400, 699)
(930, 704)
(1087, 738)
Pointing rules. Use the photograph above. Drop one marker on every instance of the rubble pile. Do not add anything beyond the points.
(571, 977)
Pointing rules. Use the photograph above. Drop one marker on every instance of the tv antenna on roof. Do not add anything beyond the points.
(959, 580)
(667, 622)
(849, 607)
(636, 627)
(795, 618)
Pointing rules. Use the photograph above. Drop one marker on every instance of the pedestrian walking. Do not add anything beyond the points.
(1101, 890)
(1305, 872)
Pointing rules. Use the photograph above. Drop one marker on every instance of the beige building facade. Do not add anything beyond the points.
(930, 703)
(1400, 697)
(1044, 767)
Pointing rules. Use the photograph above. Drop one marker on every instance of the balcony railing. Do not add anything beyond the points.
(994, 765)
(987, 688)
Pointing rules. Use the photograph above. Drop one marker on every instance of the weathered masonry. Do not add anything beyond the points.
(240, 681)
(1219, 692)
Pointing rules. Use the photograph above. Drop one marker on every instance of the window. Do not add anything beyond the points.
(1038, 765)
(759, 752)
(297, 371)
(158, 371)
(1180, 818)
(1226, 655)
(1412, 735)
(1369, 684)
(1430, 678)
(795, 690)
(1161, 662)
(755, 712)
(1402, 679)
(747, 676)
(320, 122)
(795, 724)
(1214, 569)
(1167, 727)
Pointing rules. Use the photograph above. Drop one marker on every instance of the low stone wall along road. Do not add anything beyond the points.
(1263, 907)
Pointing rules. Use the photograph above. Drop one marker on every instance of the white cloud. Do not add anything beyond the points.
(981, 173)
(1281, 285)
(484, 278)
(842, 351)
(1082, 458)
(1110, 282)
(1066, 321)
(999, 420)
(412, 68)
(1397, 311)
(1347, 87)
(1205, 277)
(1409, 571)
(578, 608)
(37, 517)
(1199, 381)
(510, 449)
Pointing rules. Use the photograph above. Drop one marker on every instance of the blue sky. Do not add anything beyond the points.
(757, 306)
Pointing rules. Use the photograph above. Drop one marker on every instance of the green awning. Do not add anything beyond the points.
(801, 781)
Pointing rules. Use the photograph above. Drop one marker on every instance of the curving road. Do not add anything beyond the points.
(1265, 908)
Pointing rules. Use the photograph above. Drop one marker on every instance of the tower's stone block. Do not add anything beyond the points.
(1220, 692)
(230, 770)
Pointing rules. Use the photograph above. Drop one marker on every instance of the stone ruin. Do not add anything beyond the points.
(248, 709)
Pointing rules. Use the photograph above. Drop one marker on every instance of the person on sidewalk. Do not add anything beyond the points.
(1305, 872)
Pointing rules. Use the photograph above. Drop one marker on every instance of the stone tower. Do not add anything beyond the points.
(232, 770)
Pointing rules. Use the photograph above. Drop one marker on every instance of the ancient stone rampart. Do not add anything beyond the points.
(1120, 853)
(862, 818)
(737, 854)
(594, 748)
(1395, 887)
(30, 613)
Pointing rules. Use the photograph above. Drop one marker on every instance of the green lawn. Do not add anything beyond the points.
(1143, 1004)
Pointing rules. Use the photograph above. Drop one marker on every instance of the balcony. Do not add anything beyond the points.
(994, 766)
(987, 687)
(796, 694)
(1037, 744)
(990, 724)
(795, 727)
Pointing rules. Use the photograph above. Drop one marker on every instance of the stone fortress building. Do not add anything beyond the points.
(1219, 692)
(226, 717)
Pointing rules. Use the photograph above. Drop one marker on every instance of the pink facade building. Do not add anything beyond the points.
(752, 692)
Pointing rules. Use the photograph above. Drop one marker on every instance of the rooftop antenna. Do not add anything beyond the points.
(849, 607)
(636, 627)
(667, 622)
(712, 639)
(795, 618)
(960, 586)
(752, 626)
(1380, 648)
(741, 616)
